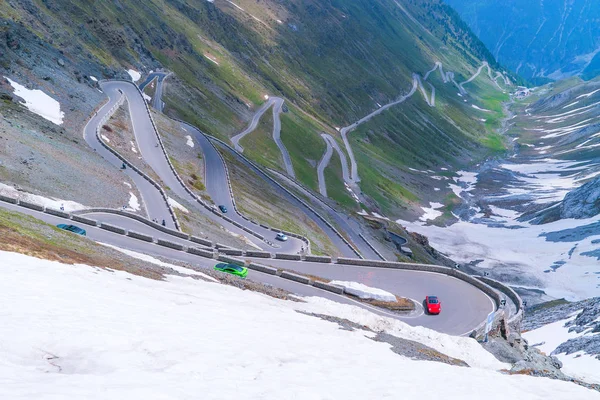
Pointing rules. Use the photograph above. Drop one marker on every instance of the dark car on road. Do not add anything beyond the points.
(223, 209)
(433, 305)
(72, 228)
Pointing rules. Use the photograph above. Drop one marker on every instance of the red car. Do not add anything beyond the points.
(433, 305)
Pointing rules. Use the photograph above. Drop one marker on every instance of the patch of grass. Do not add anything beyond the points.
(301, 137)
(336, 189)
(401, 304)
(257, 199)
(494, 142)
(260, 146)
(24, 234)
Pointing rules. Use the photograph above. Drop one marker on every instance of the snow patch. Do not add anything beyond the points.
(156, 261)
(175, 204)
(49, 202)
(579, 365)
(189, 142)
(480, 109)
(365, 292)
(134, 203)
(135, 76)
(39, 102)
(430, 213)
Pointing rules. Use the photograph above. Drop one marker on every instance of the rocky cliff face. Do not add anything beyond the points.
(580, 203)
(538, 39)
(587, 320)
(583, 202)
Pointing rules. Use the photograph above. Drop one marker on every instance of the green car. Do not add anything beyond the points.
(232, 269)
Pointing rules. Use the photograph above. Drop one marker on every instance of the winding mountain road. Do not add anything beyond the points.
(217, 186)
(416, 84)
(331, 145)
(155, 206)
(153, 155)
(464, 306)
(277, 103)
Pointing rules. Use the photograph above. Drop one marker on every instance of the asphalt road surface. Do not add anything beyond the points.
(464, 307)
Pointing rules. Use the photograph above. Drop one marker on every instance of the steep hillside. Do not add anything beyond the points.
(332, 62)
(539, 40)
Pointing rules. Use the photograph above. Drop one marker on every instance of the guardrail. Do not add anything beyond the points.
(515, 320)
(176, 174)
(163, 194)
(291, 234)
(486, 285)
(264, 174)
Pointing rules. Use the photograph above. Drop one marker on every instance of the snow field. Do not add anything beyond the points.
(579, 365)
(81, 332)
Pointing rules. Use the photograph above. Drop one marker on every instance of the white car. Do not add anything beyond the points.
(282, 237)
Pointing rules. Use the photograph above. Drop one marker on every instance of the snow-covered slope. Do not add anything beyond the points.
(72, 331)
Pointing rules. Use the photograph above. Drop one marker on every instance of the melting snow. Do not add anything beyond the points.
(39, 103)
(431, 213)
(365, 292)
(479, 108)
(156, 261)
(189, 142)
(579, 365)
(175, 204)
(135, 76)
(134, 204)
(110, 330)
(54, 203)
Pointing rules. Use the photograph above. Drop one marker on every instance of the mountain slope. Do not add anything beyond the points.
(333, 62)
(539, 40)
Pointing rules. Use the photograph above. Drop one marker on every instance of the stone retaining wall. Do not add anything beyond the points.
(112, 228)
(285, 256)
(200, 252)
(258, 254)
(140, 236)
(57, 213)
(83, 220)
(331, 288)
(169, 244)
(263, 268)
(32, 206)
(295, 277)
(320, 259)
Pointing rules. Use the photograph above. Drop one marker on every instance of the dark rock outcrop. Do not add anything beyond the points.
(580, 203)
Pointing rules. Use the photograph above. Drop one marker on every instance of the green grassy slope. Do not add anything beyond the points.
(333, 61)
